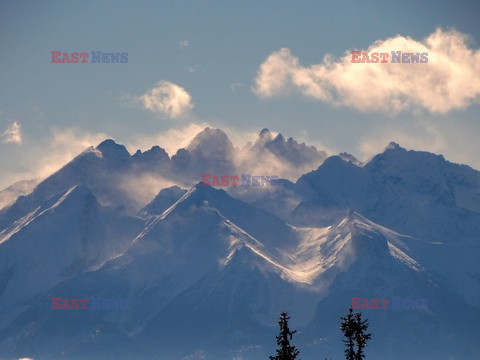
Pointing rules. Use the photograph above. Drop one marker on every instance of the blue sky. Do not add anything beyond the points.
(209, 54)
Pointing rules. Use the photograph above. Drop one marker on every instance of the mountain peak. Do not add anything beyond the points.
(264, 136)
(109, 147)
(107, 144)
(334, 161)
(279, 138)
(350, 158)
(353, 215)
(289, 150)
(393, 146)
(207, 135)
(197, 195)
(205, 189)
(165, 198)
(211, 143)
(366, 236)
(264, 132)
(155, 155)
(353, 218)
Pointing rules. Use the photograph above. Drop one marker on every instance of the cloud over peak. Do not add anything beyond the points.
(449, 80)
(12, 134)
(168, 99)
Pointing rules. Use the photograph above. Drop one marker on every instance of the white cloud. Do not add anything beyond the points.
(167, 98)
(44, 157)
(450, 80)
(62, 147)
(184, 43)
(12, 134)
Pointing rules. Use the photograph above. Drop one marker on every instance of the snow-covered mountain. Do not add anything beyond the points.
(275, 155)
(10, 194)
(411, 192)
(69, 234)
(392, 186)
(205, 272)
(165, 198)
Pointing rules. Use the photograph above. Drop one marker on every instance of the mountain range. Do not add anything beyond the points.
(207, 270)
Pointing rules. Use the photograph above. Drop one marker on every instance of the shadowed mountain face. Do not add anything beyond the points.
(204, 273)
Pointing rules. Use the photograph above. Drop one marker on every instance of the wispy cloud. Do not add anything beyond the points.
(62, 146)
(143, 187)
(167, 98)
(170, 140)
(235, 86)
(184, 43)
(456, 143)
(450, 80)
(42, 158)
(12, 134)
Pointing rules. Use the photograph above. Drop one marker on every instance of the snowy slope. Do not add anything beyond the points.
(66, 236)
(206, 274)
(165, 198)
(411, 192)
(202, 271)
(414, 193)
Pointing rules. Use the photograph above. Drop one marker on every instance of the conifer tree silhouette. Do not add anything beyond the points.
(354, 329)
(348, 328)
(361, 336)
(285, 350)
